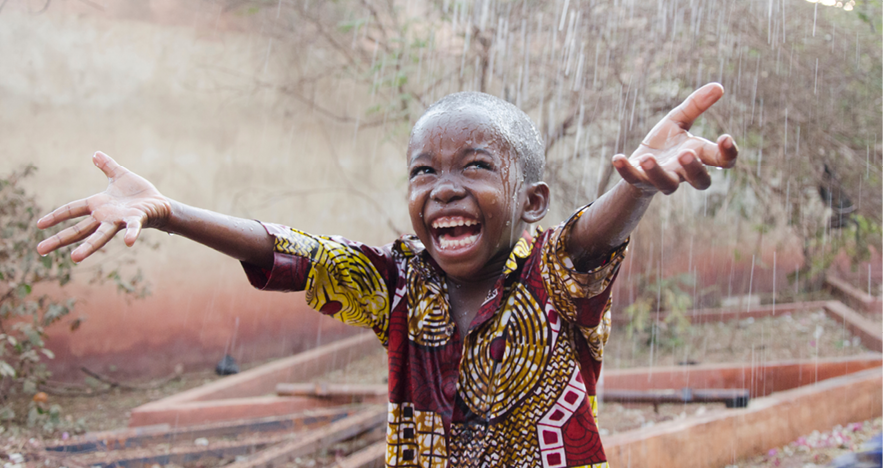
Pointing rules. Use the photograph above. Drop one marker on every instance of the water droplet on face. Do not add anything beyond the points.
(508, 223)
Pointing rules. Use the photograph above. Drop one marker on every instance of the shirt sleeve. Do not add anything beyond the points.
(346, 280)
(582, 298)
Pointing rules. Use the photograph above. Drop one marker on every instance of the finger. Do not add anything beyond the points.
(107, 165)
(707, 152)
(629, 173)
(133, 230)
(64, 213)
(94, 242)
(68, 236)
(694, 171)
(696, 104)
(720, 154)
(728, 150)
(664, 180)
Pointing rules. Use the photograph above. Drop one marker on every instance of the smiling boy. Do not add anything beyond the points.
(494, 333)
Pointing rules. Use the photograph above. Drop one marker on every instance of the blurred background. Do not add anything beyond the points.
(298, 112)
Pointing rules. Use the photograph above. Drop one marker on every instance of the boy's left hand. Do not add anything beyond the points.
(669, 154)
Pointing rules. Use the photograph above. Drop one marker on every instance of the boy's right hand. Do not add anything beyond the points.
(130, 202)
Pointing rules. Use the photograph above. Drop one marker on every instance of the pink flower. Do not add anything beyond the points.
(772, 453)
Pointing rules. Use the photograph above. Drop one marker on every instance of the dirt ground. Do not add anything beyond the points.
(805, 335)
(111, 411)
(818, 448)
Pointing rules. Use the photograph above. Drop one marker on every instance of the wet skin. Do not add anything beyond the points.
(461, 172)
(467, 202)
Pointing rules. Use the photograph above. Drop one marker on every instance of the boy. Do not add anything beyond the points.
(494, 341)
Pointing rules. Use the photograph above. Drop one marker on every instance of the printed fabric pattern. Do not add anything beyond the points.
(516, 390)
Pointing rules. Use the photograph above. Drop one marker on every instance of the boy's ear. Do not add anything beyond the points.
(536, 202)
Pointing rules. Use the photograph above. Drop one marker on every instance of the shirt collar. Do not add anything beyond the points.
(521, 250)
(410, 245)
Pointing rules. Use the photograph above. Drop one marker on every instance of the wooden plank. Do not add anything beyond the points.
(263, 379)
(866, 330)
(718, 437)
(760, 378)
(372, 456)
(144, 457)
(853, 296)
(329, 390)
(341, 430)
(230, 409)
(163, 433)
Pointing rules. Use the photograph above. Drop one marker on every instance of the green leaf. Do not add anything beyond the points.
(6, 370)
(23, 290)
(54, 313)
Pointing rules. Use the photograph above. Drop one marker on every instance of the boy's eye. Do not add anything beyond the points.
(480, 165)
(420, 170)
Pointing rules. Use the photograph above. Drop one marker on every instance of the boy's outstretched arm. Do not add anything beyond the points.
(668, 156)
(132, 203)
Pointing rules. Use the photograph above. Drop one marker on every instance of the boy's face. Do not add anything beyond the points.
(465, 197)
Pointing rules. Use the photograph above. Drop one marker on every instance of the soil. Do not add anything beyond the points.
(805, 335)
(614, 418)
(109, 411)
(818, 448)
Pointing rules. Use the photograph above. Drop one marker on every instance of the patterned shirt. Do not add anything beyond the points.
(518, 390)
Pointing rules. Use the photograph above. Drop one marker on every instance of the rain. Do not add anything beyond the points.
(299, 112)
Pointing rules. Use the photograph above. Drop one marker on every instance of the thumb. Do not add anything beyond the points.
(107, 165)
(133, 230)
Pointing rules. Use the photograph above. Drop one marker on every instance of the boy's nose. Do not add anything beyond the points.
(447, 191)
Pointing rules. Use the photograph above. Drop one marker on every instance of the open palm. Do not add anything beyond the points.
(670, 154)
(130, 202)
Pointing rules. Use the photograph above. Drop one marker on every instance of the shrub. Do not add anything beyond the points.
(25, 312)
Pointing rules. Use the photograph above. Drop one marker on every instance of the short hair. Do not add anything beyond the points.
(516, 127)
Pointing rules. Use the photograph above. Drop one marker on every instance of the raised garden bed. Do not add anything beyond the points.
(811, 394)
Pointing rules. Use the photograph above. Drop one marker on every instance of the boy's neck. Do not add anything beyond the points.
(466, 295)
(466, 298)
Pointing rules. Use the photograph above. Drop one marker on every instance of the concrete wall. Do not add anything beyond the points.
(188, 94)
(172, 91)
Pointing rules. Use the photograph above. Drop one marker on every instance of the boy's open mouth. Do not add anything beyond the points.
(455, 232)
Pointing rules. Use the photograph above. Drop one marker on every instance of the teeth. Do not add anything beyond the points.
(446, 243)
(453, 222)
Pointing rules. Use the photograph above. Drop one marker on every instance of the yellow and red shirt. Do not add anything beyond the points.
(518, 390)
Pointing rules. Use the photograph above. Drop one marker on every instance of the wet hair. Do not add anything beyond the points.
(516, 127)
